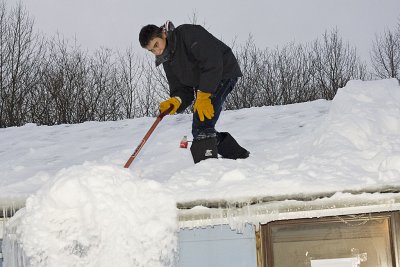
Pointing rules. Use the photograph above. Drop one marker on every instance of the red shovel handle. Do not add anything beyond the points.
(149, 132)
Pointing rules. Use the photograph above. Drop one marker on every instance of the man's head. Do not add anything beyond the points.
(153, 38)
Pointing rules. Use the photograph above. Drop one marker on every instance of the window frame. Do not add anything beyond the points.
(392, 217)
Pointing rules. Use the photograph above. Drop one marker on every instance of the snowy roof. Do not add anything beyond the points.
(301, 152)
(322, 158)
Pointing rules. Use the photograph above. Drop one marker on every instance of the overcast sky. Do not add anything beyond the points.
(116, 23)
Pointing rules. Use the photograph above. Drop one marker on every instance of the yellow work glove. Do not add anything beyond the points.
(174, 101)
(203, 106)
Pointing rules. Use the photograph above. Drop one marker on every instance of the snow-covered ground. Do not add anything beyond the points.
(75, 183)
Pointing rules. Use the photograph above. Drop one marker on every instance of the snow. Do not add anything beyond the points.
(82, 204)
(32, 155)
(71, 220)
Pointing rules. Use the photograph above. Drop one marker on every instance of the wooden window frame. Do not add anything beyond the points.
(392, 217)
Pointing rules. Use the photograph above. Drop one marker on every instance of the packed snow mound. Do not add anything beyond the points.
(363, 114)
(100, 216)
(361, 133)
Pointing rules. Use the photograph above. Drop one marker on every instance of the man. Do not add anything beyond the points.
(196, 64)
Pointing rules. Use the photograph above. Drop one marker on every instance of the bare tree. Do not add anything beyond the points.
(385, 56)
(103, 91)
(148, 100)
(246, 91)
(194, 19)
(155, 86)
(4, 59)
(274, 77)
(21, 51)
(65, 80)
(159, 77)
(337, 63)
(295, 71)
(129, 73)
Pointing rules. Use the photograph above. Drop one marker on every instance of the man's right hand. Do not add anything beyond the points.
(175, 102)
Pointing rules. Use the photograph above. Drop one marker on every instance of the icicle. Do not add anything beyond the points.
(13, 253)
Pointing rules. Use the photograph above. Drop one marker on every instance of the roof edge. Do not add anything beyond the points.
(264, 212)
(243, 202)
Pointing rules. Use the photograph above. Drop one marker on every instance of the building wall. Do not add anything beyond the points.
(217, 246)
(1, 240)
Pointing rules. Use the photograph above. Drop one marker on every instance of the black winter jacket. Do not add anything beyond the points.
(196, 61)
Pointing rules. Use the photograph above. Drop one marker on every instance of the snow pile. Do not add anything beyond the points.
(300, 150)
(360, 137)
(92, 215)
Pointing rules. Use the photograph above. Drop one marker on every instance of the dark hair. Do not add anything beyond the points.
(148, 33)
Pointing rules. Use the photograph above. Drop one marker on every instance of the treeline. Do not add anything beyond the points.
(54, 81)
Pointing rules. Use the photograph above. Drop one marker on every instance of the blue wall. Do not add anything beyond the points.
(217, 246)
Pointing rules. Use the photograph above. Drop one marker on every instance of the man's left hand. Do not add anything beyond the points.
(203, 105)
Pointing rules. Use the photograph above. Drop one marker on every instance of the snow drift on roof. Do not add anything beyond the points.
(97, 216)
(360, 137)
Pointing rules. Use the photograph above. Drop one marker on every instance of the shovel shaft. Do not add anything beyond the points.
(144, 140)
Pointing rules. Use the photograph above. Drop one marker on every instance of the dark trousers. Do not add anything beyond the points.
(206, 128)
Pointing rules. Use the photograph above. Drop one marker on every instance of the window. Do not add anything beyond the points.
(353, 241)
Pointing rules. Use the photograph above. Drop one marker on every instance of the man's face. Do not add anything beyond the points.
(157, 45)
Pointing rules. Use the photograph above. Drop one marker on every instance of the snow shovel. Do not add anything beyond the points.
(149, 132)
